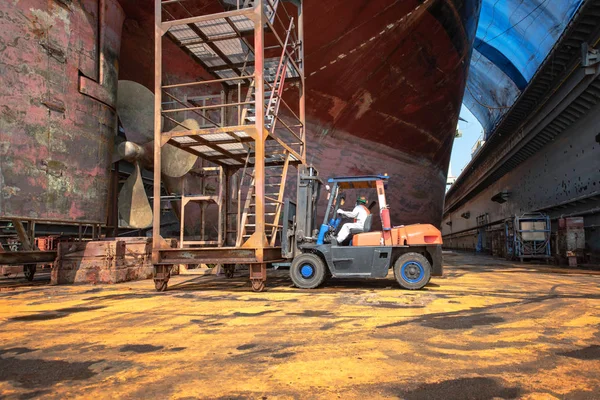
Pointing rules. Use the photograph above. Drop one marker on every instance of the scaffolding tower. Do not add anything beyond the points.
(254, 50)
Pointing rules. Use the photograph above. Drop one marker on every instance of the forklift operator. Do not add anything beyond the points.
(360, 214)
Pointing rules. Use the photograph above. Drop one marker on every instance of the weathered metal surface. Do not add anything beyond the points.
(135, 107)
(25, 257)
(229, 255)
(109, 261)
(134, 207)
(58, 68)
(175, 162)
(383, 73)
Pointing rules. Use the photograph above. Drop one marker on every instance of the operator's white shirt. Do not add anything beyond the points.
(359, 213)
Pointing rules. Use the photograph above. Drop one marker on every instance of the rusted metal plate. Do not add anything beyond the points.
(56, 137)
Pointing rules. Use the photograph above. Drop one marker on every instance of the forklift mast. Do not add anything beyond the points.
(300, 217)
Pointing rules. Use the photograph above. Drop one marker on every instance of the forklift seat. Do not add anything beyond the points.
(366, 228)
(355, 233)
(368, 223)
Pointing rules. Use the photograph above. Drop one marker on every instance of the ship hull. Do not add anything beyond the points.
(385, 81)
(413, 181)
(58, 74)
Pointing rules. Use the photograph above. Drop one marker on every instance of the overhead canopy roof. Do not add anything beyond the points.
(513, 39)
(358, 182)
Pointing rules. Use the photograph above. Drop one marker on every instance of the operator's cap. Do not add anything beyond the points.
(362, 200)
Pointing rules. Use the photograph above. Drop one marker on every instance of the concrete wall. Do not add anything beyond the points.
(565, 170)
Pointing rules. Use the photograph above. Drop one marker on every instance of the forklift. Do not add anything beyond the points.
(413, 251)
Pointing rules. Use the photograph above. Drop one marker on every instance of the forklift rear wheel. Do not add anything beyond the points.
(307, 271)
(29, 271)
(412, 271)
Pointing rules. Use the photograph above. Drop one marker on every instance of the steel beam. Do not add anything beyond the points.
(158, 33)
(219, 255)
(165, 26)
(26, 257)
(259, 148)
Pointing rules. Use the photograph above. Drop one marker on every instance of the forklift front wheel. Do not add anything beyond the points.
(307, 271)
(412, 271)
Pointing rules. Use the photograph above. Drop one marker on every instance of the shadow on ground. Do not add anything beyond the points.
(279, 281)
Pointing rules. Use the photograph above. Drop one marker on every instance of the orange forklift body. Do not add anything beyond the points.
(410, 235)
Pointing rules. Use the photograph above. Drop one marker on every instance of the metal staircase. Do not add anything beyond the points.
(274, 83)
(277, 159)
(275, 177)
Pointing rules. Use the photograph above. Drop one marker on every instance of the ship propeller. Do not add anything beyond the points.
(134, 206)
(135, 107)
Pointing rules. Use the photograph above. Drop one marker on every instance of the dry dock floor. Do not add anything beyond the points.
(487, 329)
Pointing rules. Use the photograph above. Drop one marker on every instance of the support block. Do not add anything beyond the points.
(258, 271)
(104, 261)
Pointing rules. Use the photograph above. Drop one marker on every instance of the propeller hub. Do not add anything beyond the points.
(130, 151)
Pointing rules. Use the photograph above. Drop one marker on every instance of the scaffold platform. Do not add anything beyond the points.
(252, 133)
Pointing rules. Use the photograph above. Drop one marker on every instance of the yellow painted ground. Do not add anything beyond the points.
(488, 329)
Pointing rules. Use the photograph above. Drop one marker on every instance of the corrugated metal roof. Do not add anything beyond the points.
(513, 39)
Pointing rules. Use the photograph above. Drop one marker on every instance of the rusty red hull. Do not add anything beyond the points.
(385, 83)
(59, 71)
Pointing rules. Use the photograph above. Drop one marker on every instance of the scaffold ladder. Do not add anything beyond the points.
(275, 178)
(275, 175)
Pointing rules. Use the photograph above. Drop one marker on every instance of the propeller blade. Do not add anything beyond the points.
(135, 106)
(134, 207)
(176, 162)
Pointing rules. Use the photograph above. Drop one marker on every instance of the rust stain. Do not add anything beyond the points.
(57, 142)
(364, 104)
